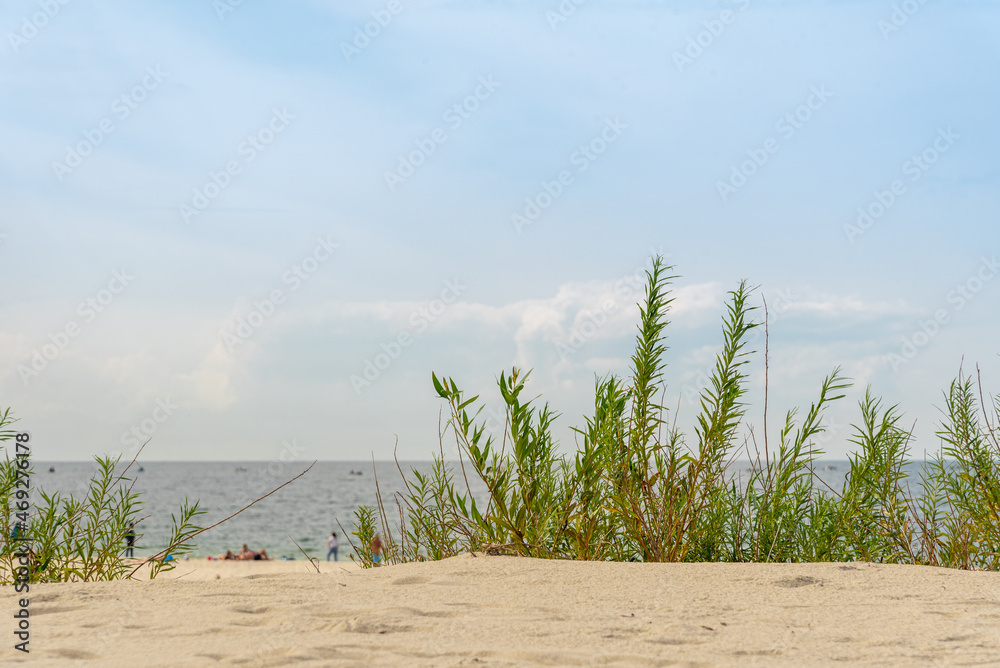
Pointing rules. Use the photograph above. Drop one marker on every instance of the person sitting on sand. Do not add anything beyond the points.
(376, 549)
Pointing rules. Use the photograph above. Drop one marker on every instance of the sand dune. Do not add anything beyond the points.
(504, 611)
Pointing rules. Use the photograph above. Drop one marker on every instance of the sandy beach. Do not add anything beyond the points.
(505, 611)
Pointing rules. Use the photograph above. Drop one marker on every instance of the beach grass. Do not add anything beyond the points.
(637, 489)
(60, 538)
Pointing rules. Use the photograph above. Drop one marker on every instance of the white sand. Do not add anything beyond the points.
(504, 611)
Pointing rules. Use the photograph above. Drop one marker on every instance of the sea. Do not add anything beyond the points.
(304, 512)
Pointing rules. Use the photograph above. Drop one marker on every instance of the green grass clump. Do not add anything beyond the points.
(70, 539)
(638, 490)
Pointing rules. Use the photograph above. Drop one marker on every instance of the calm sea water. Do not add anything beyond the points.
(306, 510)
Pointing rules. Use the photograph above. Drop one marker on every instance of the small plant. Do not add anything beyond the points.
(637, 490)
(70, 539)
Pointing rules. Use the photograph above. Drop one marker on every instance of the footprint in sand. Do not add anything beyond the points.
(53, 610)
(683, 635)
(800, 581)
(75, 654)
(362, 625)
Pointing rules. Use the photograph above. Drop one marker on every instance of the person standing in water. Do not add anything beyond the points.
(333, 543)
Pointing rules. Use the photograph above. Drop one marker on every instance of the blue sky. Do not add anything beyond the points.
(226, 163)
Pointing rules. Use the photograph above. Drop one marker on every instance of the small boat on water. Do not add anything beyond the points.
(52, 469)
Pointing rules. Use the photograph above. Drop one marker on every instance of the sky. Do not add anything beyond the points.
(243, 229)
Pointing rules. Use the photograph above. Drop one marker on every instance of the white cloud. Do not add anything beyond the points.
(806, 300)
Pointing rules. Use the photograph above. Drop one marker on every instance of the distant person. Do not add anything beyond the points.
(332, 543)
(246, 554)
(376, 549)
(130, 540)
